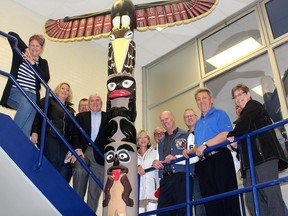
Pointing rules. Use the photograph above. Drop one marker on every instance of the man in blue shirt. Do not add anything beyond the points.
(216, 170)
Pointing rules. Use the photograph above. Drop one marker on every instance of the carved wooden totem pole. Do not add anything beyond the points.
(119, 23)
(121, 184)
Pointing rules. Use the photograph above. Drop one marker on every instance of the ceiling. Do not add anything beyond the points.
(150, 45)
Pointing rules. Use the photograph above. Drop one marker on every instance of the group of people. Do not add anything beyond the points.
(90, 117)
(213, 174)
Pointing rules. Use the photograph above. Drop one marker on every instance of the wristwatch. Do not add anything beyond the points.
(205, 144)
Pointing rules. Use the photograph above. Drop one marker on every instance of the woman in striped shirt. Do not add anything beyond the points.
(12, 97)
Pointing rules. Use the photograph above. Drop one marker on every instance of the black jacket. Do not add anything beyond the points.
(265, 146)
(58, 117)
(17, 60)
(79, 141)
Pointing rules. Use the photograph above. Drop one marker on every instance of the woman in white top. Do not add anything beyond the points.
(149, 181)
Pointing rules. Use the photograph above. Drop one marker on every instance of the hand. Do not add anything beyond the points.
(232, 146)
(200, 150)
(27, 56)
(79, 153)
(231, 139)
(34, 138)
(157, 164)
(186, 152)
(140, 170)
(169, 158)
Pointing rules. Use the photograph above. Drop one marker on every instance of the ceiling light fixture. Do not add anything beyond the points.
(234, 52)
(258, 90)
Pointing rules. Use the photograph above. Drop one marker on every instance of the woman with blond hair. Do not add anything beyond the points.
(55, 150)
(149, 182)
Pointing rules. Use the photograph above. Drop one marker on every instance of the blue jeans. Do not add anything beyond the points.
(25, 113)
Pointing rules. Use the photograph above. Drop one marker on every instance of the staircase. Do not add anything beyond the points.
(26, 189)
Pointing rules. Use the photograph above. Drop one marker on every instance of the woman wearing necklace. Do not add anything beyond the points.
(149, 182)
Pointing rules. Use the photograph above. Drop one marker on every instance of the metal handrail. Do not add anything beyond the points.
(44, 114)
(254, 186)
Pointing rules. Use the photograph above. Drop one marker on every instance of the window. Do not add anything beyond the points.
(231, 43)
(257, 75)
(281, 57)
(278, 16)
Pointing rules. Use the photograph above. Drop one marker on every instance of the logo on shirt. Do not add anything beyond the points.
(180, 143)
(191, 146)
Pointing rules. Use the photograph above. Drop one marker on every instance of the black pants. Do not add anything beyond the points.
(217, 175)
(172, 192)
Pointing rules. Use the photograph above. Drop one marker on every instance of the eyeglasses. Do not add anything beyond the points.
(159, 134)
(238, 95)
(189, 116)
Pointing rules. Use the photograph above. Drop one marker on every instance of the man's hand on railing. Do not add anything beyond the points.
(200, 150)
(34, 138)
(157, 164)
(79, 153)
(169, 158)
(186, 152)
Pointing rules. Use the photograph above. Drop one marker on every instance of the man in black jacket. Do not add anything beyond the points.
(93, 122)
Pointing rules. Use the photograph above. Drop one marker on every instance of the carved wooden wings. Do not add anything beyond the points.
(147, 16)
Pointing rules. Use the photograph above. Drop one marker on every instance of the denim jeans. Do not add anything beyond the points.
(25, 113)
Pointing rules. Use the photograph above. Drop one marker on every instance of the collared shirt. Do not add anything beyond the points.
(167, 147)
(210, 125)
(95, 124)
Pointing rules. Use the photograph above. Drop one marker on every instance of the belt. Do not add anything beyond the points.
(169, 173)
(211, 153)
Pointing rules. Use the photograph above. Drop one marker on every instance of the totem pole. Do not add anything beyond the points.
(120, 182)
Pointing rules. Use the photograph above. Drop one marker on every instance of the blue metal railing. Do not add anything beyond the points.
(44, 114)
(254, 186)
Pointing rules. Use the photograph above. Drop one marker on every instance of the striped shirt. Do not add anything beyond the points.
(26, 78)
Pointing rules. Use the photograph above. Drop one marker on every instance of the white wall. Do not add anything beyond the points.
(82, 64)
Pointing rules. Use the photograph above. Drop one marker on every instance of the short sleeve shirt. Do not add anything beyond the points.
(210, 125)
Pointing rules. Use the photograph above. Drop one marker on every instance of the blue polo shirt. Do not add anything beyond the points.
(210, 125)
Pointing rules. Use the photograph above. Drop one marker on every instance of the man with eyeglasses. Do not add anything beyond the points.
(159, 133)
(190, 119)
(83, 105)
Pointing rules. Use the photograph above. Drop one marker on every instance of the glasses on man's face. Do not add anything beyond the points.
(189, 116)
(159, 134)
(84, 105)
(238, 95)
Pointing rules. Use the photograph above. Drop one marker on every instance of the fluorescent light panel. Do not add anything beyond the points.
(258, 90)
(234, 52)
